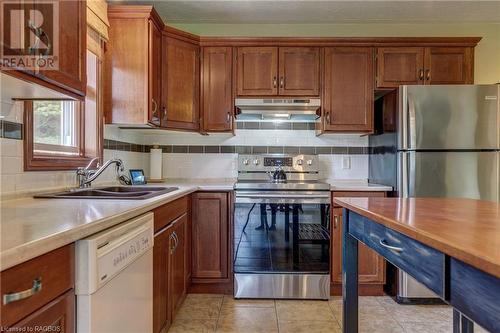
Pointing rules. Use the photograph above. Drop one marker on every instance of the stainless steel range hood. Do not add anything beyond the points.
(305, 109)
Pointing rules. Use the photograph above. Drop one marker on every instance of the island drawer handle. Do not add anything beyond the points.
(394, 248)
(13, 297)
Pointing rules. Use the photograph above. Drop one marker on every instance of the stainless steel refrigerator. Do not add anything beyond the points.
(445, 143)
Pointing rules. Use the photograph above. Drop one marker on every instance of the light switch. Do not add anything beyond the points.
(346, 162)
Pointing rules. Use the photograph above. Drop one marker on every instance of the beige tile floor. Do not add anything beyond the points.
(219, 313)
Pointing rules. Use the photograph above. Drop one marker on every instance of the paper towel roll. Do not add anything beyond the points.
(155, 163)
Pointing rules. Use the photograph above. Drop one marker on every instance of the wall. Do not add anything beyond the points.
(15, 181)
(191, 155)
(487, 59)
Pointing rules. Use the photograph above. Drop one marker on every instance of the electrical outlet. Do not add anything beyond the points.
(346, 162)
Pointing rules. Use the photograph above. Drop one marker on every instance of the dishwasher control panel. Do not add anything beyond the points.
(102, 256)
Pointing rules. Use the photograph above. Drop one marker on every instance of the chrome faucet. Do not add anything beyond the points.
(85, 176)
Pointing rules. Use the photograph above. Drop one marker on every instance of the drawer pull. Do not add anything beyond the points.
(13, 297)
(393, 248)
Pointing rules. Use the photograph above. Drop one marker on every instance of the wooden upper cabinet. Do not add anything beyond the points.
(299, 71)
(181, 80)
(154, 77)
(449, 65)
(70, 47)
(348, 89)
(399, 65)
(217, 97)
(72, 44)
(424, 65)
(257, 71)
(273, 71)
(210, 235)
(133, 66)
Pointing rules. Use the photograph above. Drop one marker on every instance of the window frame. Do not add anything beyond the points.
(34, 161)
(52, 162)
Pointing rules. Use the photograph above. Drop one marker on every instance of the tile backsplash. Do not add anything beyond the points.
(186, 155)
(191, 155)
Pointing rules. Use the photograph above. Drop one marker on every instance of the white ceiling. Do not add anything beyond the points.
(332, 11)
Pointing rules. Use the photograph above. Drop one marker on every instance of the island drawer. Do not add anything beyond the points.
(34, 283)
(418, 260)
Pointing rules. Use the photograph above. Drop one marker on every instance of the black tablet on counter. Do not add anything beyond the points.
(137, 176)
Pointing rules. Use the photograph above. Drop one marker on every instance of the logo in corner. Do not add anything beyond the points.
(29, 33)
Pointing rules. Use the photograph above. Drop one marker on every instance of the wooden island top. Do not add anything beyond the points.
(466, 229)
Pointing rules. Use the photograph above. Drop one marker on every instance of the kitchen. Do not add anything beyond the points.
(211, 166)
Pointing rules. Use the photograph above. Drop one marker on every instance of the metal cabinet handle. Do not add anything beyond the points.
(428, 74)
(274, 82)
(393, 248)
(13, 297)
(176, 239)
(335, 222)
(172, 244)
(282, 82)
(155, 107)
(328, 117)
(228, 120)
(420, 74)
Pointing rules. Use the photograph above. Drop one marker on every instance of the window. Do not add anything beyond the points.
(67, 134)
(56, 127)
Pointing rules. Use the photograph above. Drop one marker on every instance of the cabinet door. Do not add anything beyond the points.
(399, 65)
(72, 46)
(370, 265)
(449, 65)
(178, 271)
(181, 77)
(210, 237)
(154, 73)
(217, 98)
(299, 71)
(348, 89)
(257, 73)
(56, 316)
(162, 314)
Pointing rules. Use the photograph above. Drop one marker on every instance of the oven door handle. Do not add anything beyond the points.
(292, 198)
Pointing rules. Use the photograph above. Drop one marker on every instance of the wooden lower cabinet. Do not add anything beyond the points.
(56, 316)
(371, 266)
(211, 259)
(170, 273)
(177, 262)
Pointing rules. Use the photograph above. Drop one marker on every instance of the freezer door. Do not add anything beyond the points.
(449, 117)
(472, 175)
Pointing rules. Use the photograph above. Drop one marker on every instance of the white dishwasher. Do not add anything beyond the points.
(114, 279)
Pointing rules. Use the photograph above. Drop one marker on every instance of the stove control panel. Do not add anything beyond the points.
(265, 163)
(278, 161)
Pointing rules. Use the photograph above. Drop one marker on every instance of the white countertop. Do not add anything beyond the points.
(31, 227)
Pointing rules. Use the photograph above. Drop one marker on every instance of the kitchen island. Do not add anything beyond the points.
(452, 246)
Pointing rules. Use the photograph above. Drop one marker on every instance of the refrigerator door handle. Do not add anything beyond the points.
(412, 122)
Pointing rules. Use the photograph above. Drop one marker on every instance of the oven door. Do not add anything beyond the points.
(282, 232)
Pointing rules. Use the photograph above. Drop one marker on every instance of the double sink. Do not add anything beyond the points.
(111, 192)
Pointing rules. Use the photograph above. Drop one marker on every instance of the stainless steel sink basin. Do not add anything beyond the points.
(111, 192)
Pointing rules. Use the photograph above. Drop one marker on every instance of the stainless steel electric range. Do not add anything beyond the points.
(281, 228)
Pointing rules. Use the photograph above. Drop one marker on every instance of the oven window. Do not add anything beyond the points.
(282, 238)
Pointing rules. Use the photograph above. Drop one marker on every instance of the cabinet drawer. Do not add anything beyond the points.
(167, 213)
(57, 316)
(44, 277)
(418, 260)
